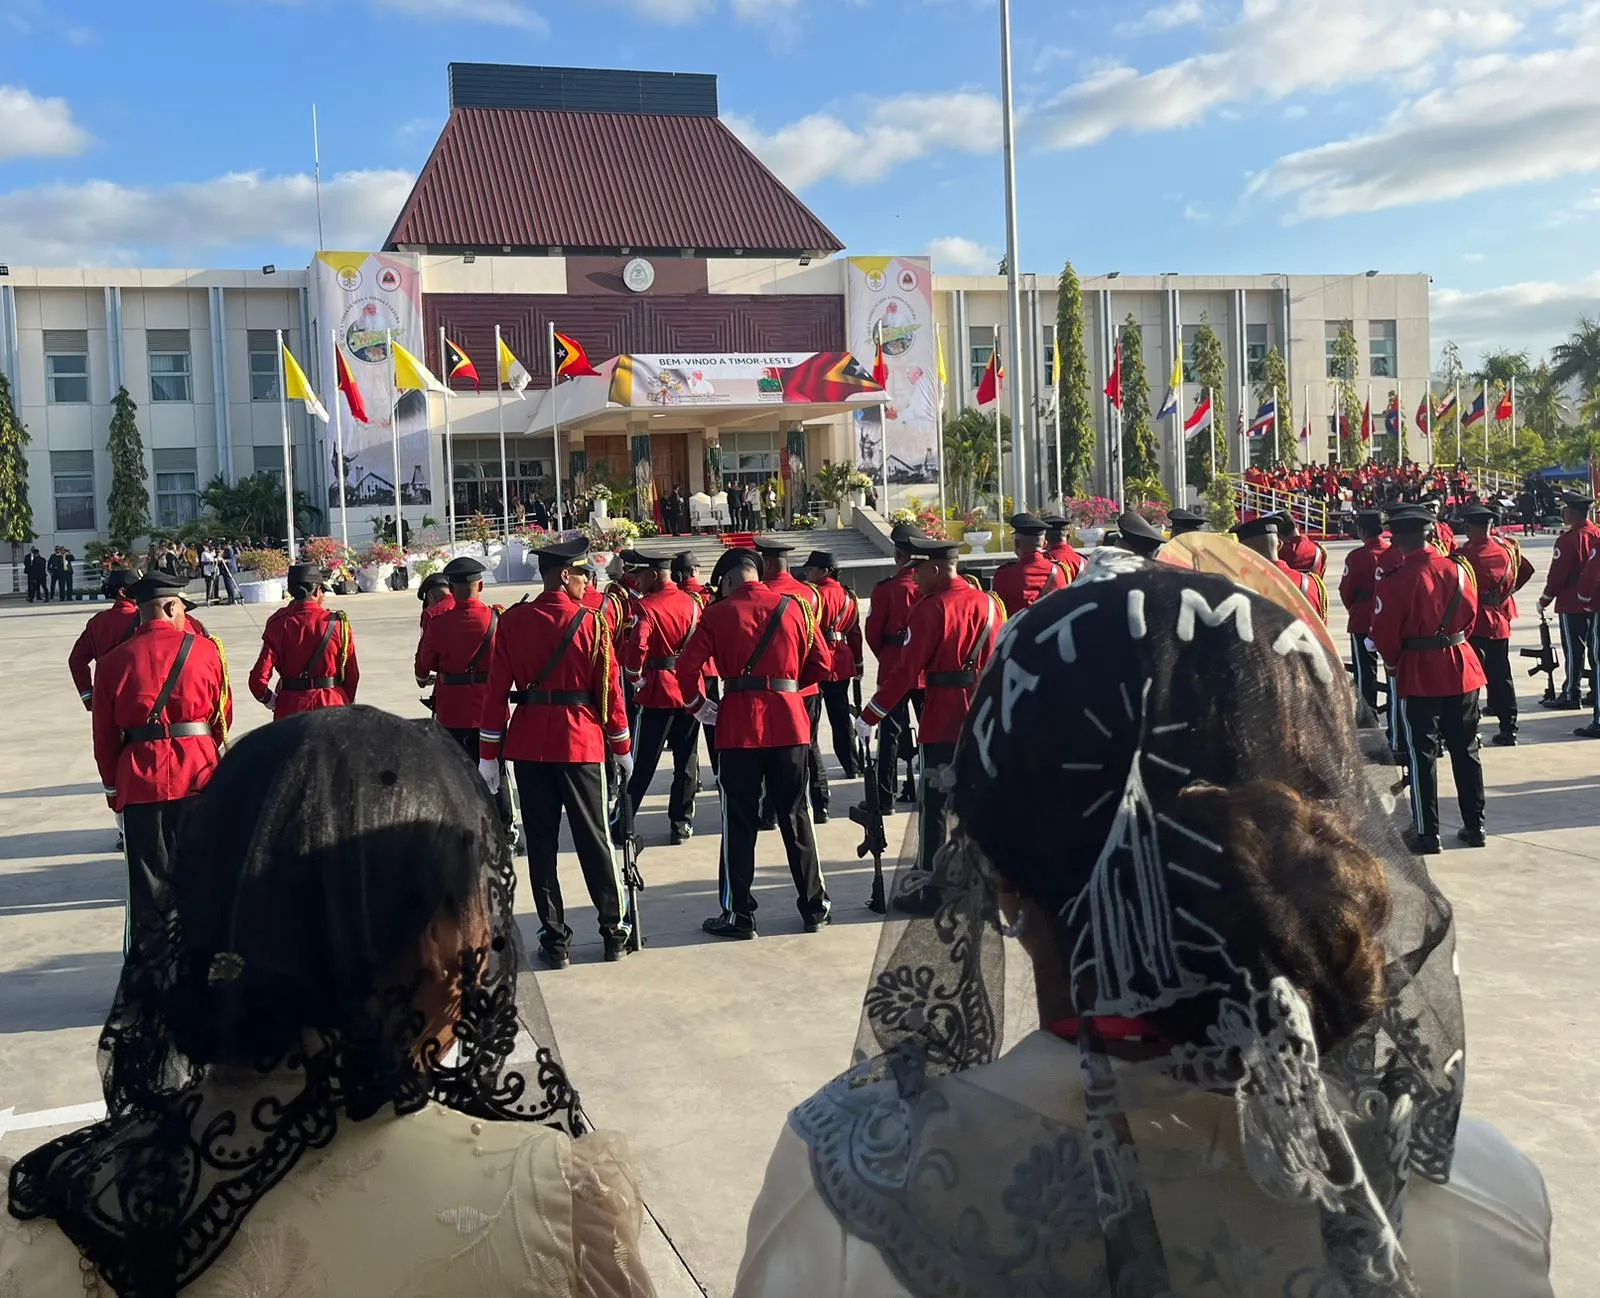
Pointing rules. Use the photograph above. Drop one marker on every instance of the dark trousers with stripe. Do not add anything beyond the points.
(816, 775)
(1432, 727)
(894, 732)
(1594, 664)
(1495, 655)
(836, 703)
(546, 789)
(1577, 630)
(1365, 662)
(675, 729)
(745, 775)
(149, 836)
(713, 689)
(468, 739)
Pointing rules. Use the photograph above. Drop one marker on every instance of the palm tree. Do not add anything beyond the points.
(1579, 357)
(1497, 369)
(969, 455)
(1541, 403)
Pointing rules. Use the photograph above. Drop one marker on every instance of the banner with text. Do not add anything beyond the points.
(785, 378)
(890, 299)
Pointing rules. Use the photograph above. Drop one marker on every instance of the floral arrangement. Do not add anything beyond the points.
(803, 522)
(426, 567)
(597, 492)
(931, 524)
(647, 527)
(975, 518)
(1091, 511)
(836, 481)
(382, 552)
(618, 534)
(535, 537)
(326, 553)
(268, 565)
(1155, 512)
(903, 517)
(480, 530)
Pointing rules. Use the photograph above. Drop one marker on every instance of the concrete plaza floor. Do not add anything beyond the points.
(695, 1049)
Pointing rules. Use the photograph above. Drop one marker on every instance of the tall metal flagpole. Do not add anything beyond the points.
(1305, 415)
(288, 452)
(1338, 424)
(1277, 439)
(316, 173)
(1211, 428)
(1513, 411)
(1013, 286)
(338, 444)
(1399, 428)
(883, 442)
(449, 450)
(555, 416)
(999, 434)
(1486, 425)
(500, 423)
(1180, 471)
(1368, 418)
(394, 438)
(938, 427)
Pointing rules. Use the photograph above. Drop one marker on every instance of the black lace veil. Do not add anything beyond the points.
(245, 1032)
(1245, 1161)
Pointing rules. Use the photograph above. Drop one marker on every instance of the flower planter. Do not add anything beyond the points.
(1088, 536)
(978, 540)
(268, 591)
(601, 510)
(830, 517)
(602, 558)
(858, 499)
(374, 577)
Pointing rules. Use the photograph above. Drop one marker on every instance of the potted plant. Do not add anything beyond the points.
(803, 522)
(270, 568)
(378, 562)
(1089, 517)
(605, 541)
(836, 484)
(975, 532)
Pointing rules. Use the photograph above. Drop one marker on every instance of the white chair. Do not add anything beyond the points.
(699, 511)
(719, 510)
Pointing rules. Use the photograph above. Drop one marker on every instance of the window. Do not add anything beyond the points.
(269, 459)
(1049, 356)
(66, 366)
(980, 340)
(169, 364)
(1255, 350)
(263, 365)
(1381, 349)
(72, 475)
(1332, 330)
(1190, 333)
(177, 490)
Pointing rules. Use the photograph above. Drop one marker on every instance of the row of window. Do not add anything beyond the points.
(66, 366)
(177, 486)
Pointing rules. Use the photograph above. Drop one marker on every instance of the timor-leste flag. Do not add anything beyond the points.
(351, 390)
(826, 377)
(458, 365)
(572, 362)
(989, 385)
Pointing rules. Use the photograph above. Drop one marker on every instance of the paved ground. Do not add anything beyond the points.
(697, 1050)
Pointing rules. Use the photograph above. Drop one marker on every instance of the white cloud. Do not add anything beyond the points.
(1163, 18)
(1503, 121)
(1533, 315)
(101, 222)
(498, 13)
(31, 127)
(1473, 256)
(1294, 112)
(1273, 49)
(953, 255)
(886, 133)
(1195, 212)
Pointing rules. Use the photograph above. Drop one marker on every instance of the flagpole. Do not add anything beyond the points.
(1013, 271)
(1211, 428)
(394, 438)
(500, 423)
(1338, 424)
(1399, 428)
(938, 425)
(1305, 415)
(999, 436)
(288, 452)
(1458, 423)
(1513, 412)
(555, 417)
(1181, 469)
(316, 173)
(1486, 425)
(1277, 439)
(338, 442)
(449, 452)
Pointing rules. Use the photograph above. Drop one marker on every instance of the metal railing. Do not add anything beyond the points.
(1310, 515)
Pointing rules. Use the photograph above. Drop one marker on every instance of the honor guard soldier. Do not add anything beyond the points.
(453, 656)
(767, 649)
(1589, 598)
(953, 632)
(838, 623)
(311, 648)
(1574, 548)
(888, 624)
(1300, 552)
(1030, 576)
(1357, 588)
(103, 632)
(686, 576)
(1181, 521)
(161, 715)
(1261, 535)
(1444, 537)
(1135, 532)
(553, 661)
(665, 618)
(1501, 571)
(434, 592)
(1058, 549)
(776, 576)
(1421, 618)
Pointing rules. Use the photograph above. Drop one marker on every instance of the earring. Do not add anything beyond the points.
(1016, 927)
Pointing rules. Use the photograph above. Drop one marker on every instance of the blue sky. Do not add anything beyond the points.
(1203, 136)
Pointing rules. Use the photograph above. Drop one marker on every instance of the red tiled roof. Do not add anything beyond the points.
(529, 179)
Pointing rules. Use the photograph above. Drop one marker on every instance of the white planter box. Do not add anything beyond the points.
(1091, 535)
(978, 541)
(830, 517)
(374, 577)
(270, 591)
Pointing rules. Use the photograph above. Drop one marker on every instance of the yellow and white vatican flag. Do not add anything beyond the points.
(298, 388)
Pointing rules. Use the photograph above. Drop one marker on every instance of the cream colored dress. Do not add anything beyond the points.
(433, 1205)
(1485, 1233)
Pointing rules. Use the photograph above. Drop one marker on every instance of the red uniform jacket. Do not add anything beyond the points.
(101, 634)
(612, 604)
(554, 730)
(889, 618)
(129, 679)
(840, 625)
(666, 619)
(730, 631)
(696, 588)
(1360, 581)
(1310, 585)
(1304, 555)
(435, 609)
(810, 599)
(456, 645)
(1501, 571)
(1412, 603)
(289, 644)
(1063, 553)
(1589, 583)
(1023, 582)
(1446, 537)
(953, 630)
(1574, 548)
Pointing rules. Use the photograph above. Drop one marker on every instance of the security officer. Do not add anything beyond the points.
(1058, 549)
(103, 632)
(775, 575)
(553, 660)
(311, 648)
(1421, 618)
(1261, 535)
(1574, 547)
(1357, 587)
(665, 617)
(453, 655)
(838, 623)
(1500, 571)
(1182, 520)
(1135, 532)
(161, 710)
(888, 623)
(768, 651)
(1298, 550)
(1031, 575)
(953, 631)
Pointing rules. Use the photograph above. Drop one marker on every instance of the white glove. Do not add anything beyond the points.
(864, 729)
(625, 765)
(1371, 648)
(707, 716)
(490, 770)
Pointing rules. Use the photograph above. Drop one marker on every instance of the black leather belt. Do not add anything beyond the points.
(952, 680)
(835, 636)
(666, 664)
(464, 678)
(771, 684)
(177, 730)
(1491, 600)
(1415, 643)
(300, 684)
(553, 698)
(899, 638)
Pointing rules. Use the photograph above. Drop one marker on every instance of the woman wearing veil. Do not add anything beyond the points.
(306, 1076)
(1246, 1078)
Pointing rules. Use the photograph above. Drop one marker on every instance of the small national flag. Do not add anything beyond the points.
(1305, 431)
(572, 362)
(1425, 417)
(457, 365)
(1504, 410)
(512, 373)
(1366, 421)
(944, 374)
(1265, 418)
(1169, 407)
(1391, 420)
(297, 389)
(411, 375)
(347, 385)
(1447, 407)
(1114, 383)
(1200, 418)
(1474, 413)
(880, 367)
(989, 384)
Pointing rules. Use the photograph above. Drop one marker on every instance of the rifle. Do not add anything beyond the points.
(869, 815)
(1546, 656)
(632, 880)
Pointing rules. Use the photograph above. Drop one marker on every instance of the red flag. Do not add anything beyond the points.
(572, 362)
(989, 385)
(457, 365)
(1305, 431)
(1114, 383)
(1366, 421)
(880, 367)
(1425, 417)
(1504, 410)
(347, 385)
